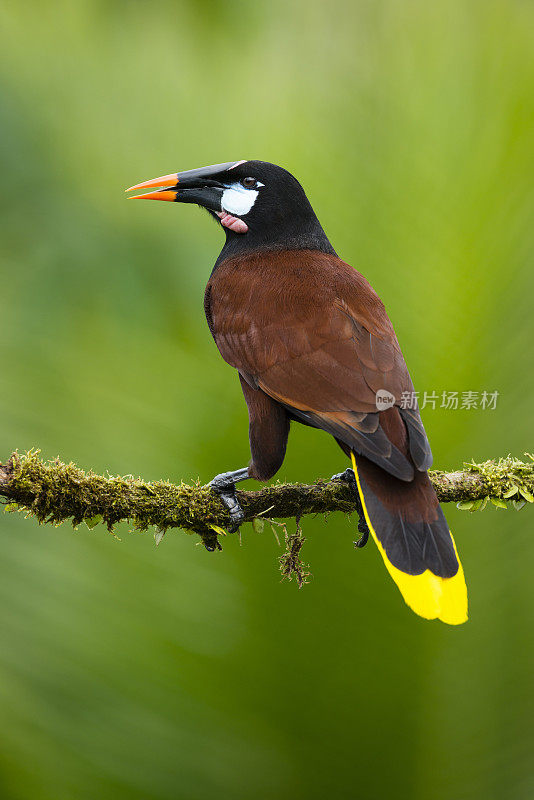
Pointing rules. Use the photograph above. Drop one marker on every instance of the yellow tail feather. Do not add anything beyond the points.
(427, 594)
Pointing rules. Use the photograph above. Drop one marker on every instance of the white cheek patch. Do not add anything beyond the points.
(237, 200)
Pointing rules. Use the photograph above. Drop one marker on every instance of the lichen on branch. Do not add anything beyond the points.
(54, 492)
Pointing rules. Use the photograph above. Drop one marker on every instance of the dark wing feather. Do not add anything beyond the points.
(418, 442)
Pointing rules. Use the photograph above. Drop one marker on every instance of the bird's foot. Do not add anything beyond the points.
(349, 477)
(224, 486)
(364, 530)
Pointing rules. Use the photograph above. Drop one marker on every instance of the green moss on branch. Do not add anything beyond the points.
(54, 492)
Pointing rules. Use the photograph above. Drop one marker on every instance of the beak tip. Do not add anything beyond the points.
(164, 195)
(166, 181)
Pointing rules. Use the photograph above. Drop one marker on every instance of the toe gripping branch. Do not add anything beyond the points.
(224, 486)
(349, 477)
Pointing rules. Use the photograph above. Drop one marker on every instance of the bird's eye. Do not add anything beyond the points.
(248, 183)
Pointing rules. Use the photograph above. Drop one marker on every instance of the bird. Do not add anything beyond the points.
(312, 343)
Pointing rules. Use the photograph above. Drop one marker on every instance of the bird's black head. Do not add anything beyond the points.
(259, 205)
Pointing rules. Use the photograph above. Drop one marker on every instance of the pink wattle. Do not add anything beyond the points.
(233, 223)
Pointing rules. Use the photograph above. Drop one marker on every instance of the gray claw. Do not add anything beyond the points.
(224, 486)
(349, 477)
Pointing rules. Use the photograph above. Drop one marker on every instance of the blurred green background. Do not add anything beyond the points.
(128, 671)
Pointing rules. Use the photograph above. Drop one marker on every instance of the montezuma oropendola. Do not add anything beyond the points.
(312, 342)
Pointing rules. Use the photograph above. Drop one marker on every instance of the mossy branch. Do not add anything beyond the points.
(54, 492)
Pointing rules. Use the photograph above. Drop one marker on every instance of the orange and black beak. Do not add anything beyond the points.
(170, 182)
(202, 186)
